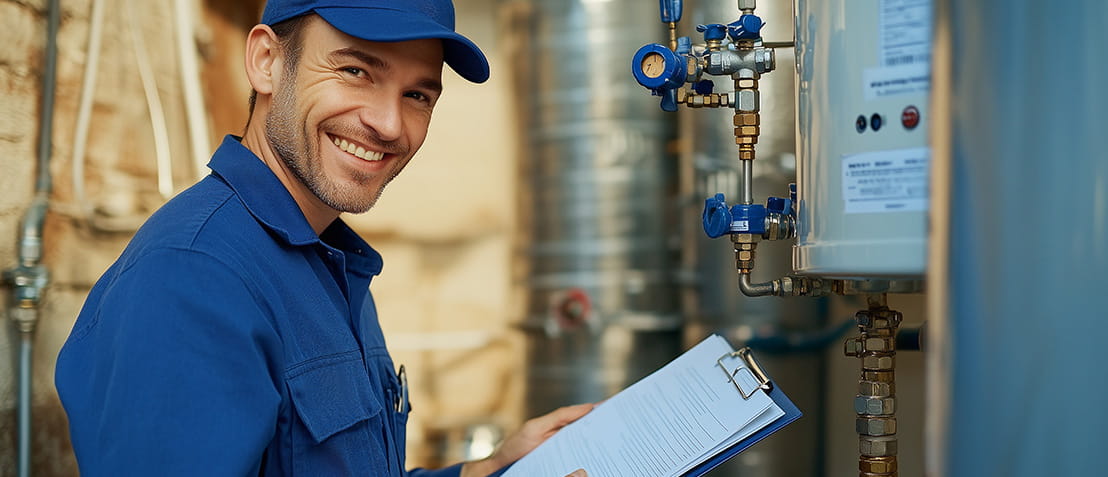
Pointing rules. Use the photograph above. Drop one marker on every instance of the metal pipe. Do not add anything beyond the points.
(755, 289)
(49, 79)
(29, 277)
(26, 346)
(747, 182)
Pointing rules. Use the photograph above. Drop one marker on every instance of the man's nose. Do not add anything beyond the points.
(384, 117)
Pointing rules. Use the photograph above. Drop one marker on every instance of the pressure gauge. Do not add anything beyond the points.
(658, 68)
(653, 65)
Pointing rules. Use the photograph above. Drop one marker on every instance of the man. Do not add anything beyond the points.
(235, 335)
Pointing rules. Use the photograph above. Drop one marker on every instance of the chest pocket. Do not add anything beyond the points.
(340, 419)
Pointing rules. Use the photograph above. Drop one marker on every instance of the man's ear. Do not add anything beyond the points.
(263, 58)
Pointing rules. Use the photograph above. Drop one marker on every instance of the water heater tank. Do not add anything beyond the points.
(863, 78)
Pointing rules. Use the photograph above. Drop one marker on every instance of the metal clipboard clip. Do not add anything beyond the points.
(751, 367)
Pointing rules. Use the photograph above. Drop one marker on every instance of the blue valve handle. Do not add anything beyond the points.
(671, 10)
(779, 205)
(669, 101)
(713, 31)
(747, 27)
(716, 217)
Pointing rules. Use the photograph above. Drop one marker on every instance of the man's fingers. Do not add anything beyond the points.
(558, 418)
(578, 473)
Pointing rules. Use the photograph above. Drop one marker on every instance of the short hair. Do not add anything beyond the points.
(289, 33)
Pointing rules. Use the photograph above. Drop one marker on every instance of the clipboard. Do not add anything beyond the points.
(576, 445)
(763, 382)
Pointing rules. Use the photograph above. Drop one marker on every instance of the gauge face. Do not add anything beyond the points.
(653, 65)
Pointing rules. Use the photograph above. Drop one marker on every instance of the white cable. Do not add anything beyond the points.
(154, 104)
(190, 82)
(84, 110)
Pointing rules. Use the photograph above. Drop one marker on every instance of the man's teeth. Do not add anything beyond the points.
(357, 151)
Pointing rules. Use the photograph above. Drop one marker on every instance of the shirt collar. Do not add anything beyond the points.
(267, 199)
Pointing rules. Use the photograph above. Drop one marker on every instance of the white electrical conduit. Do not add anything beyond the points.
(84, 109)
(154, 104)
(190, 82)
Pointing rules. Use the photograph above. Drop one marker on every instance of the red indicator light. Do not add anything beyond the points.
(910, 117)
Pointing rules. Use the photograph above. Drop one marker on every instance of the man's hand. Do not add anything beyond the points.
(534, 432)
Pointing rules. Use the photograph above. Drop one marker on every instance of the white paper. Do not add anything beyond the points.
(663, 425)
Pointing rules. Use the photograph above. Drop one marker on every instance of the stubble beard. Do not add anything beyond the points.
(299, 152)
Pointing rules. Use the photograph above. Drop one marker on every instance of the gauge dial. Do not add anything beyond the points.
(653, 65)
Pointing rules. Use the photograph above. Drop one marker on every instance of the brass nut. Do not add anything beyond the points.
(853, 347)
(875, 426)
(882, 376)
(746, 255)
(746, 154)
(876, 388)
(875, 406)
(743, 239)
(746, 140)
(877, 465)
(877, 446)
(747, 119)
(880, 344)
(746, 83)
(878, 363)
(746, 131)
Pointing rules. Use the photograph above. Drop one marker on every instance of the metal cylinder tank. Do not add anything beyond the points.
(711, 299)
(863, 74)
(598, 185)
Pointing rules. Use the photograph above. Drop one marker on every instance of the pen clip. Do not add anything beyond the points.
(751, 367)
(402, 398)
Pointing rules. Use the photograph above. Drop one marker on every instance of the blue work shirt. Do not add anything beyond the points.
(230, 339)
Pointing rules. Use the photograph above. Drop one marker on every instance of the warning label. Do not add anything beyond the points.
(886, 181)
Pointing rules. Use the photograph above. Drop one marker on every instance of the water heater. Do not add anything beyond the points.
(863, 78)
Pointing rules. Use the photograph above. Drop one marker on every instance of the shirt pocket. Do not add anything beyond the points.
(340, 425)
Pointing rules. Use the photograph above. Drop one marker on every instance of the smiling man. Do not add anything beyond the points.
(236, 334)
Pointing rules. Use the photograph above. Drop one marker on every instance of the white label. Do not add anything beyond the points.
(893, 80)
(905, 32)
(742, 225)
(886, 181)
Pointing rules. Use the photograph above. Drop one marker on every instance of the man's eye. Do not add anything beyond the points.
(353, 71)
(416, 95)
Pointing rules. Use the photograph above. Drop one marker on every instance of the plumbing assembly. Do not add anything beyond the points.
(858, 210)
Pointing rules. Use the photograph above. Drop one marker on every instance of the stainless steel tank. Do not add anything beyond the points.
(597, 186)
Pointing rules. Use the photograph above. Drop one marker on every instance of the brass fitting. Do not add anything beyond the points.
(744, 251)
(875, 403)
(746, 151)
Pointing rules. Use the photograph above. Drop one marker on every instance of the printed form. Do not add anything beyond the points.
(663, 425)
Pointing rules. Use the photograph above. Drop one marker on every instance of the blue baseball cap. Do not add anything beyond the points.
(392, 20)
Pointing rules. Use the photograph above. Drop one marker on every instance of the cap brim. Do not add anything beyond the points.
(384, 24)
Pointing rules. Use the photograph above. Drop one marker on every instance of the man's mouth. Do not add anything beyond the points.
(357, 150)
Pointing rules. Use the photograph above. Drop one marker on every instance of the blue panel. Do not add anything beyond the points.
(1029, 238)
